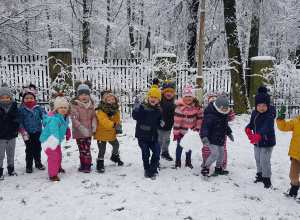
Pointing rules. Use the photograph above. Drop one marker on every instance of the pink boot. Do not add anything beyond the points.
(87, 165)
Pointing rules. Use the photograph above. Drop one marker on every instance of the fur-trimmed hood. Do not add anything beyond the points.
(73, 101)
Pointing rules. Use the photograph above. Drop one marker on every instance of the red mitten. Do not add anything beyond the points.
(249, 133)
(255, 139)
(176, 137)
(68, 134)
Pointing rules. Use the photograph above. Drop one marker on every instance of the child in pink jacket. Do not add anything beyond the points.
(84, 123)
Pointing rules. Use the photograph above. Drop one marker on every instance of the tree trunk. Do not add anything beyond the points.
(85, 31)
(131, 29)
(106, 46)
(234, 54)
(192, 31)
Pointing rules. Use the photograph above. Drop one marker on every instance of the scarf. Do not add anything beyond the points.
(29, 105)
(109, 109)
(6, 105)
(85, 105)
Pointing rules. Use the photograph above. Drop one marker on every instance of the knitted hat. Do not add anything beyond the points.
(4, 90)
(105, 91)
(107, 94)
(28, 90)
(189, 91)
(154, 92)
(168, 86)
(60, 102)
(222, 101)
(262, 96)
(212, 98)
(83, 88)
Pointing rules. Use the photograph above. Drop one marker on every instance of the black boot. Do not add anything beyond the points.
(11, 170)
(205, 171)
(29, 163)
(1, 174)
(293, 191)
(177, 164)
(166, 155)
(188, 163)
(38, 164)
(116, 158)
(100, 166)
(267, 182)
(221, 171)
(258, 177)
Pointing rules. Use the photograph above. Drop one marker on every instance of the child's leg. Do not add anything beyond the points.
(10, 151)
(188, 155)
(2, 151)
(145, 147)
(294, 172)
(221, 156)
(53, 164)
(115, 147)
(58, 149)
(102, 149)
(224, 164)
(155, 148)
(205, 153)
(84, 147)
(160, 138)
(265, 161)
(257, 152)
(214, 149)
(36, 145)
(29, 150)
(178, 150)
(164, 140)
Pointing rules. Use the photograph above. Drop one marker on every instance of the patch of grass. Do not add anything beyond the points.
(189, 218)
(67, 146)
(119, 209)
(69, 154)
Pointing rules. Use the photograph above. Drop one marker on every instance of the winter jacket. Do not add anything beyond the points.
(168, 110)
(187, 117)
(9, 122)
(82, 116)
(56, 126)
(215, 125)
(147, 118)
(263, 124)
(31, 118)
(292, 125)
(105, 128)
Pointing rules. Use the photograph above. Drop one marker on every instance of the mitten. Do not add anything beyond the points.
(176, 137)
(94, 126)
(25, 135)
(162, 123)
(205, 141)
(231, 137)
(83, 130)
(281, 114)
(249, 133)
(68, 134)
(137, 103)
(255, 139)
(118, 129)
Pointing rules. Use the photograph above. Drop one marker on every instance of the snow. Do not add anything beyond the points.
(263, 58)
(123, 192)
(191, 141)
(53, 50)
(164, 55)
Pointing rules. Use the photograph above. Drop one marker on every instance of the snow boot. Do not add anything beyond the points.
(38, 164)
(293, 191)
(81, 168)
(149, 174)
(87, 165)
(205, 171)
(100, 166)
(61, 170)
(177, 164)
(166, 155)
(221, 171)
(1, 174)
(154, 169)
(258, 177)
(11, 170)
(188, 163)
(116, 159)
(29, 163)
(54, 178)
(267, 182)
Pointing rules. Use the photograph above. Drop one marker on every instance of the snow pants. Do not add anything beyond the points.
(84, 147)
(294, 172)
(206, 153)
(164, 140)
(54, 160)
(217, 154)
(7, 146)
(33, 146)
(263, 160)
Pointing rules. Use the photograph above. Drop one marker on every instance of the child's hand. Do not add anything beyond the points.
(205, 141)
(249, 133)
(68, 134)
(176, 137)
(281, 114)
(94, 126)
(255, 139)
(231, 137)
(83, 130)
(162, 123)
(118, 129)
(25, 135)
(137, 103)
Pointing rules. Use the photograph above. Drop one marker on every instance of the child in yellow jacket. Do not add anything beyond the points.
(109, 125)
(294, 151)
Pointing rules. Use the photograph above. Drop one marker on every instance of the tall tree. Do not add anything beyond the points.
(130, 18)
(192, 31)
(238, 86)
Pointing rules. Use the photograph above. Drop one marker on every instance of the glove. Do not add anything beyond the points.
(118, 129)
(281, 114)
(205, 141)
(162, 123)
(231, 137)
(255, 139)
(68, 134)
(94, 126)
(249, 133)
(25, 135)
(83, 130)
(137, 103)
(176, 137)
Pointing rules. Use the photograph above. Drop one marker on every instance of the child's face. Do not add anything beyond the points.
(223, 109)
(168, 94)
(153, 100)
(111, 100)
(188, 100)
(29, 98)
(84, 98)
(4, 98)
(261, 108)
(62, 110)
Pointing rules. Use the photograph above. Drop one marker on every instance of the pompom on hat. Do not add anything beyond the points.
(83, 88)
(154, 91)
(168, 86)
(262, 96)
(60, 102)
(4, 90)
(28, 90)
(189, 91)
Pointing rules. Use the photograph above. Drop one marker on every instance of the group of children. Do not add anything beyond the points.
(155, 120)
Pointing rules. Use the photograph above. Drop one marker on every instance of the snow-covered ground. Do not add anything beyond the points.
(123, 192)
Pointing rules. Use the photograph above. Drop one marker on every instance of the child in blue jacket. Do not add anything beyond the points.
(263, 136)
(9, 124)
(56, 127)
(148, 117)
(31, 127)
